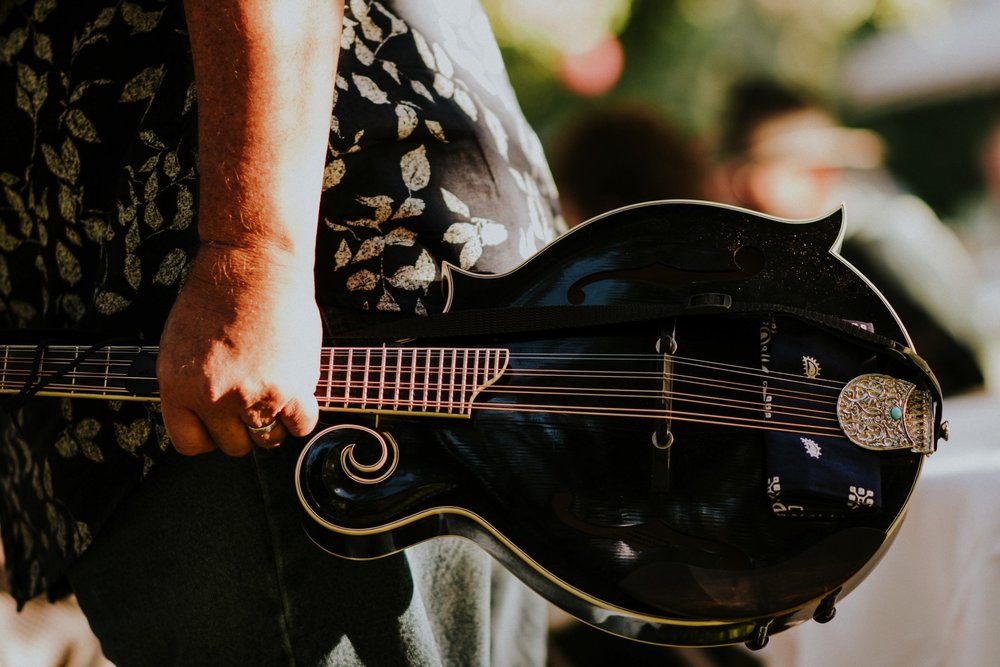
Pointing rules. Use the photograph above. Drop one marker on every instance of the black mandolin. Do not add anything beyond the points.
(682, 423)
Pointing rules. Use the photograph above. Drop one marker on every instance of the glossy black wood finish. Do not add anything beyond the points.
(584, 507)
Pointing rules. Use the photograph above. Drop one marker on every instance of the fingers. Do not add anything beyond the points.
(237, 356)
(269, 435)
(298, 418)
(233, 435)
(185, 430)
(218, 426)
(237, 430)
(300, 415)
(229, 432)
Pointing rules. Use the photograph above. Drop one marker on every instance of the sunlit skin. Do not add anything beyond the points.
(782, 174)
(241, 346)
(790, 190)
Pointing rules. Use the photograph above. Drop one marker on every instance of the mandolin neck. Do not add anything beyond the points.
(441, 381)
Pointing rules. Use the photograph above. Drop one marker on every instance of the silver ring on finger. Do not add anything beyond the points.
(261, 431)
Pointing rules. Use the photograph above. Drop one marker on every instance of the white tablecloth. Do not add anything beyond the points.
(934, 601)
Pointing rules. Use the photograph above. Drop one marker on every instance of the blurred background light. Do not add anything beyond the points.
(924, 73)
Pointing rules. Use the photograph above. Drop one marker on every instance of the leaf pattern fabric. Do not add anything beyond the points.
(460, 178)
(429, 160)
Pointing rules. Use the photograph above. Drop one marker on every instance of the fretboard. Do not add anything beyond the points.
(423, 380)
(432, 380)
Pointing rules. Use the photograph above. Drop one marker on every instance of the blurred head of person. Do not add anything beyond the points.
(623, 155)
(782, 152)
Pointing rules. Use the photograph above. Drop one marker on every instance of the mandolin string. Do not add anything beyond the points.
(652, 413)
(621, 411)
(524, 371)
(523, 407)
(576, 392)
(774, 390)
(329, 352)
(679, 397)
(577, 374)
(775, 386)
(403, 403)
(428, 403)
(814, 415)
(693, 379)
(589, 392)
(704, 363)
(743, 370)
(345, 386)
(805, 428)
(703, 418)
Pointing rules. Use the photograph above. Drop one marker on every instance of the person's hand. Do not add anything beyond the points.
(240, 349)
(241, 346)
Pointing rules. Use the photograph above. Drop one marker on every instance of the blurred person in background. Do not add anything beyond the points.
(978, 222)
(978, 226)
(626, 154)
(784, 153)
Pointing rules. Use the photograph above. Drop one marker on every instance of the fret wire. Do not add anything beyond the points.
(364, 387)
(428, 354)
(107, 365)
(380, 388)
(347, 384)
(427, 378)
(76, 351)
(399, 372)
(329, 375)
(465, 379)
(6, 353)
(451, 381)
(385, 378)
(413, 378)
(440, 380)
(379, 356)
(432, 396)
(475, 372)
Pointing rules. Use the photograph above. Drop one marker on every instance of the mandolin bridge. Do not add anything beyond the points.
(882, 413)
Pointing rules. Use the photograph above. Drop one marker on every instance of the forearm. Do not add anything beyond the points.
(264, 71)
(241, 347)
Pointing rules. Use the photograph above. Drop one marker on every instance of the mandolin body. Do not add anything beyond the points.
(653, 529)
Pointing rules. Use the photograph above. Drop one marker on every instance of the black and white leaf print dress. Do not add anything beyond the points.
(429, 160)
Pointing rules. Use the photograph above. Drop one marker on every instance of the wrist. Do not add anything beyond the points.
(241, 265)
(258, 217)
